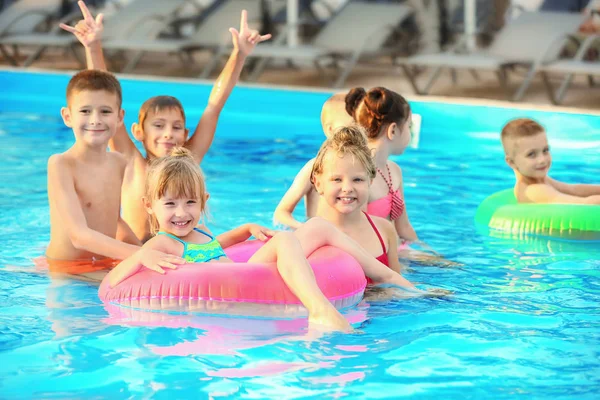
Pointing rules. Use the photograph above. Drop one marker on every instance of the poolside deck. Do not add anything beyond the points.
(580, 97)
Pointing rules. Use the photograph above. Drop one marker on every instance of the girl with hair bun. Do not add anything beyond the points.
(386, 117)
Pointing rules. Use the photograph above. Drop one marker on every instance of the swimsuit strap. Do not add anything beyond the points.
(184, 243)
(204, 233)
(397, 202)
(389, 183)
(377, 232)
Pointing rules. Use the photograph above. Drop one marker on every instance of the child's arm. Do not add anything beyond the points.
(62, 195)
(242, 233)
(545, 193)
(300, 188)
(133, 263)
(581, 190)
(392, 243)
(244, 42)
(125, 234)
(403, 226)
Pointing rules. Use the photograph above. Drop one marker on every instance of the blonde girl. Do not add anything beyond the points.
(343, 174)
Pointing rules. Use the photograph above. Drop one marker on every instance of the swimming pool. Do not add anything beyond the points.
(524, 319)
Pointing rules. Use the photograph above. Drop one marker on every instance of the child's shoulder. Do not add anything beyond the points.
(394, 168)
(383, 225)
(116, 157)
(540, 192)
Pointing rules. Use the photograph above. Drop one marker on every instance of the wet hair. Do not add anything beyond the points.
(157, 104)
(178, 174)
(346, 140)
(519, 128)
(376, 109)
(94, 80)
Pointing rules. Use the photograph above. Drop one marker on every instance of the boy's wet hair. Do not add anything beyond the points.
(157, 104)
(518, 128)
(377, 108)
(346, 140)
(94, 80)
(178, 174)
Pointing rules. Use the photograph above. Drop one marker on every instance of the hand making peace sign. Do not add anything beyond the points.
(246, 39)
(88, 30)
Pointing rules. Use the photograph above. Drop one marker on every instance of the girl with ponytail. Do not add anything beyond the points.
(386, 117)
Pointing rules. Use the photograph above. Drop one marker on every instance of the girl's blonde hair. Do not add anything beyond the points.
(178, 174)
(350, 139)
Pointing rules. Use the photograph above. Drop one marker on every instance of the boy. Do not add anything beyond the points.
(84, 184)
(333, 116)
(160, 133)
(528, 154)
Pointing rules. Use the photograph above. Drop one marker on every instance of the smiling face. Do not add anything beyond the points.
(344, 182)
(94, 116)
(162, 131)
(530, 155)
(177, 215)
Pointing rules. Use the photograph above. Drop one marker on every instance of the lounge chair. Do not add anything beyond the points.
(359, 29)
(137, 18)
(531, 40)
(571, 67)
(25, 16)
(210, 34)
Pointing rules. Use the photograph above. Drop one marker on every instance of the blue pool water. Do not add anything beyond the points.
(524, 320)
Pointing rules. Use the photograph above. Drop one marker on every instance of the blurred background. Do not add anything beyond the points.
(535, 51)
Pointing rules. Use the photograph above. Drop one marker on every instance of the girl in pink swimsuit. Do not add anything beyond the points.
(342, 175)
(386, 117)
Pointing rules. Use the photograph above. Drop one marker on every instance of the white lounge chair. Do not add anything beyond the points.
(210, 34)
(136, 18)
(23, 17)
(359, 29)
(531, 40)
(571, 67)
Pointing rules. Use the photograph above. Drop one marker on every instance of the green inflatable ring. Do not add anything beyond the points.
(502, 213)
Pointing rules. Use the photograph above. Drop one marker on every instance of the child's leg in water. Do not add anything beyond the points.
(298, 275)
(317, 232)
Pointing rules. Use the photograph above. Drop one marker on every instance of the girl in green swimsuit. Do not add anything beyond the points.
(175, 200)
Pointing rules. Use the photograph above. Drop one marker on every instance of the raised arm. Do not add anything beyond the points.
(300, 188)
(244, 42)
(544, 193)
(62, 196)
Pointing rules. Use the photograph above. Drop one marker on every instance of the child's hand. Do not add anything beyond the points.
(157, 260)
(246, 39)
(260, 232)
(88, 30)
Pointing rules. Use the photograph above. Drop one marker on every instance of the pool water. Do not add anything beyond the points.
(524, 319)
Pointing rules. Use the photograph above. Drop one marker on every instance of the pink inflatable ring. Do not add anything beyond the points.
(237, 288)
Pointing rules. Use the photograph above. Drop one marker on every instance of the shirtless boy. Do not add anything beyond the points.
(84, 182)
(527, 152)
